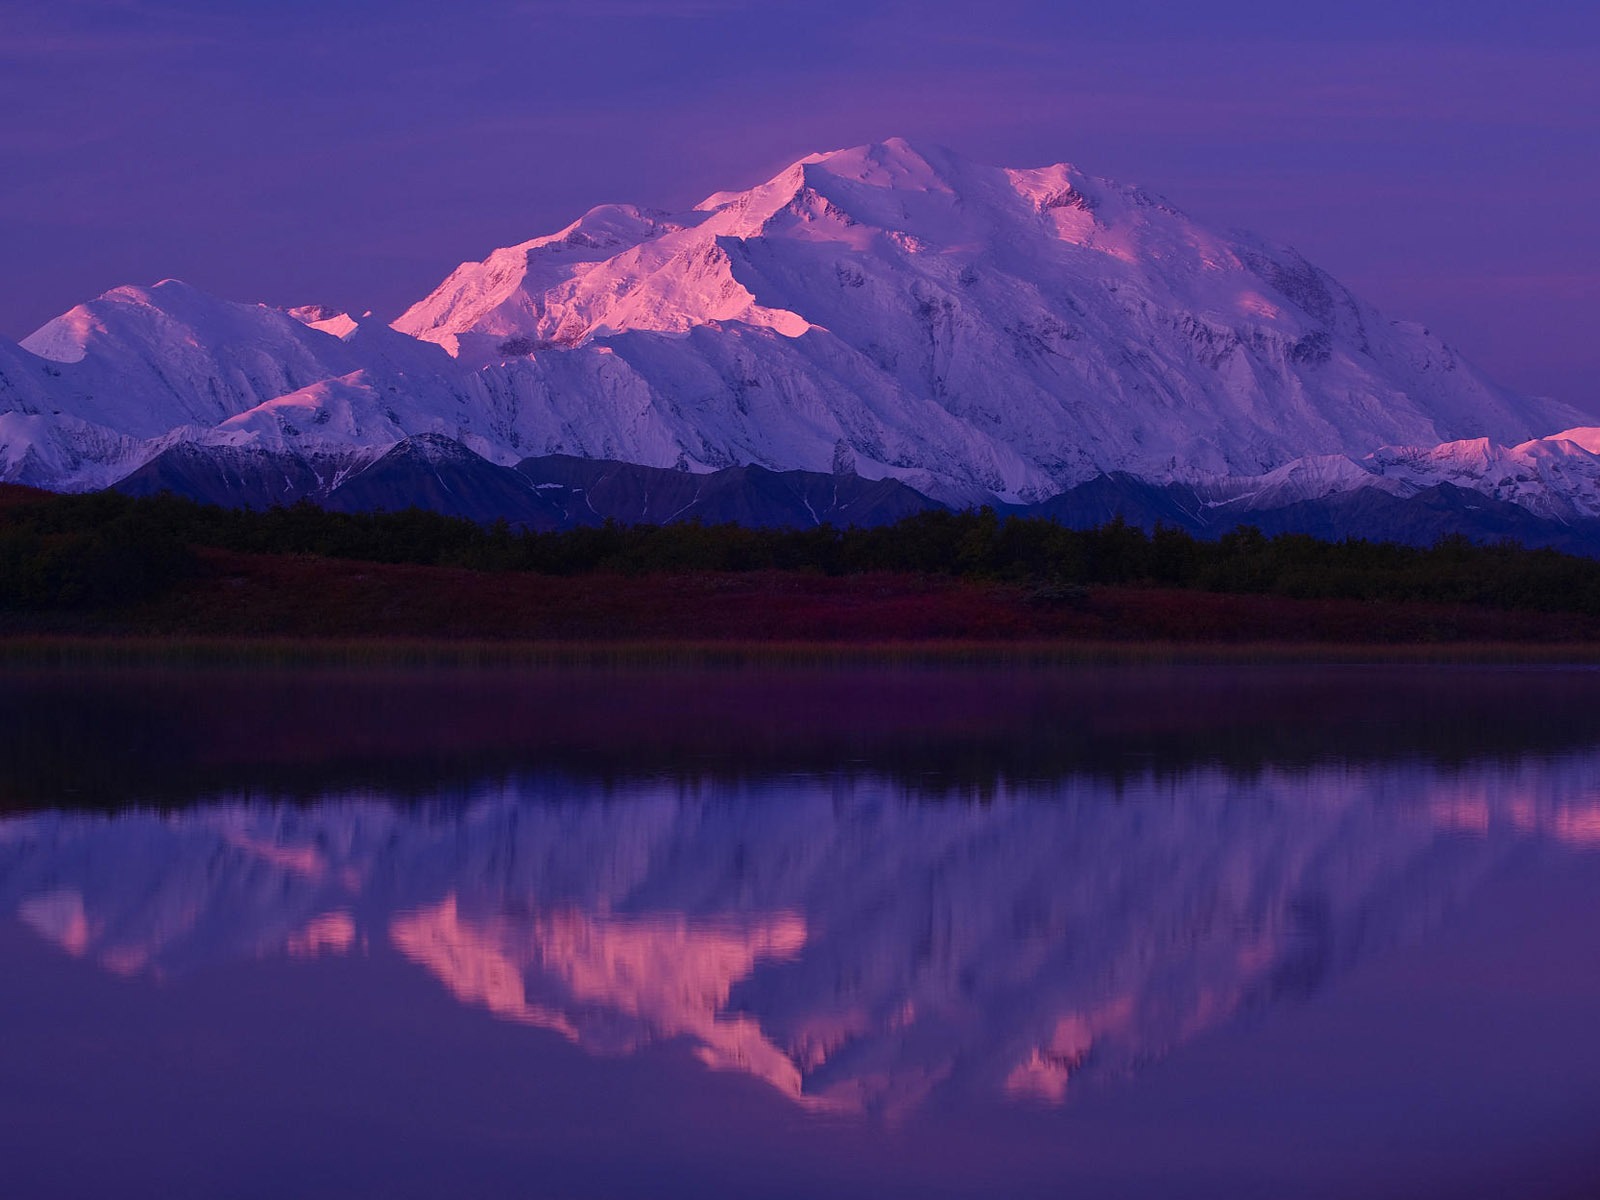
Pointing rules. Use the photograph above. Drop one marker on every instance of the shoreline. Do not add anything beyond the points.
(134, 651)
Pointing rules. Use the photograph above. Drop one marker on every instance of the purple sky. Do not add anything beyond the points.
(1442, 158)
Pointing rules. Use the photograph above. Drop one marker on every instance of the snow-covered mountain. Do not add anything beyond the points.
(1555, 477)
(852, 948)
(890, 310)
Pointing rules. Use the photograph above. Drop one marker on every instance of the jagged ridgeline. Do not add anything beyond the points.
(906, 327)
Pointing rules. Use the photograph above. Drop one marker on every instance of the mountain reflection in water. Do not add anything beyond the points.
(852, 946)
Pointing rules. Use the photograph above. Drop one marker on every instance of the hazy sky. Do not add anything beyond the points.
(1442, 158)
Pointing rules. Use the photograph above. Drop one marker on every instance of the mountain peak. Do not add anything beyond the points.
(894, 162)
(973, 331)
(1045, 324)
(165, 291)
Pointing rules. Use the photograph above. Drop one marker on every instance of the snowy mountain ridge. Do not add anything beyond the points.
(894, 311)
(1556, 477)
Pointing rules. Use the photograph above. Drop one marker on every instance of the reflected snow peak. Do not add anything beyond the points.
(852, 948)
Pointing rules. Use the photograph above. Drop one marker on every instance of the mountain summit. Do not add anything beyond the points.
(893, 310)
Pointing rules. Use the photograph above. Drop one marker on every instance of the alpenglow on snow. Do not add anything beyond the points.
(888, 311)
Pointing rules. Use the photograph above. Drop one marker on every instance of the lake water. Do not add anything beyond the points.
(1194, 932)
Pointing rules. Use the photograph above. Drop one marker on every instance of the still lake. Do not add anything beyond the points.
(1144, 932)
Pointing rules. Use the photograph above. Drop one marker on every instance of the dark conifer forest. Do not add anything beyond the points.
(104, 550)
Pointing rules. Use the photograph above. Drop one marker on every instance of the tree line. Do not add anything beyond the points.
(105, 549)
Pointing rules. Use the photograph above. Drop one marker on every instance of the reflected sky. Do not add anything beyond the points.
(1082, 973)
